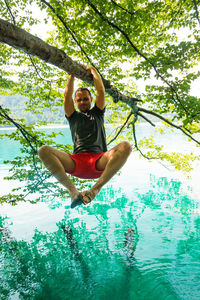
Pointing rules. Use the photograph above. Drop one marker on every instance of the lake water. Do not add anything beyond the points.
(139, 239)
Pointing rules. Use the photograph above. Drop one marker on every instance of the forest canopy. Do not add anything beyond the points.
(147, 53)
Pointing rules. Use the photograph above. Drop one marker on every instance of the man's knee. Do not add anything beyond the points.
(43, 151)
(125, 148)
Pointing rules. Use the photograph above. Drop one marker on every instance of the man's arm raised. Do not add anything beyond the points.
(68, 100)
(100, 97)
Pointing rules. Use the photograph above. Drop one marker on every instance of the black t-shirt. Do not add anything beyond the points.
(88, 132)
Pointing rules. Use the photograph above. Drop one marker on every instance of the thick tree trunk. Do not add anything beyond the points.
(21, 39)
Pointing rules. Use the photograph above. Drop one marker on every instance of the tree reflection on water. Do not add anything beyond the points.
(124, 249)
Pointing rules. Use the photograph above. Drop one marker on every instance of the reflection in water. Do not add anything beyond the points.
(142, 247)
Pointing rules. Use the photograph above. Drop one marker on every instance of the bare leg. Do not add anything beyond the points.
(58, 162)
(110, 162)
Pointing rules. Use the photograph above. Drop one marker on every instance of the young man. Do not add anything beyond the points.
(90, 159)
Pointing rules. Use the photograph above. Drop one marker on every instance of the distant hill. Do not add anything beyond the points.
(16, 104)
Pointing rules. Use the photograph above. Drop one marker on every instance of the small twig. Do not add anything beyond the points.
(176, 14)
(196, 11)
(36, 69)
(126, 10)
(135, 138)
(146, 119)
(121, 128)
(13, 18)
(38, 183)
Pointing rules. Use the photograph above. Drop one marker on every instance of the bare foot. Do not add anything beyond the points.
(88, 196)
(77, 199)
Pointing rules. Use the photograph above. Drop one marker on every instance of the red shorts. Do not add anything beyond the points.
(86, 165)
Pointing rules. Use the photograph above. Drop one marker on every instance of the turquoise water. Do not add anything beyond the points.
(139, 239)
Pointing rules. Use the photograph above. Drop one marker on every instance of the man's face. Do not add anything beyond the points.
(83, 101)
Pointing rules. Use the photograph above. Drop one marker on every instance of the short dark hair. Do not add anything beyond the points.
(83, 89)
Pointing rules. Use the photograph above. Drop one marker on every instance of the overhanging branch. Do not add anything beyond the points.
(22, 40)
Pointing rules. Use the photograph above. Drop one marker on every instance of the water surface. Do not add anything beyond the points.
(139, 239)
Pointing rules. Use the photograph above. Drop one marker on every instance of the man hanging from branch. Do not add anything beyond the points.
(90, 159)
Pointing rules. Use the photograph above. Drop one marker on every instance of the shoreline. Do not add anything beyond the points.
(55, 126)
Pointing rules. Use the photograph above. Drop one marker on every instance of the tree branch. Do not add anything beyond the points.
(168, 122)
(21, 39)
(26, 135)
(134, 134)
(22, 130)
